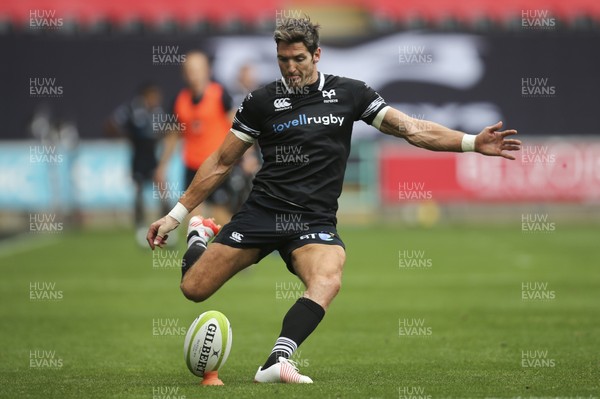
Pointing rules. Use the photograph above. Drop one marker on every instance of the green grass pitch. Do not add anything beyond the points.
(91, 315)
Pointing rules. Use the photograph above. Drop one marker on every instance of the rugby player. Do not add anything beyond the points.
(134, 121)
(311, 113)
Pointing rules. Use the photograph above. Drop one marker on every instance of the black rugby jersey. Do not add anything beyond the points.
(304, 136)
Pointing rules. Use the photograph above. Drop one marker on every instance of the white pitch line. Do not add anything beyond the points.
(24, 243)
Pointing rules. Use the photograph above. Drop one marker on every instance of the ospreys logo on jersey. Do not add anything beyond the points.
(282, 104)
(329, 94)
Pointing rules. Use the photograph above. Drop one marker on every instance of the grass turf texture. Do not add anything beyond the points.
(470, 297)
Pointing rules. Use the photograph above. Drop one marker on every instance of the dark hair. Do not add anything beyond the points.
(295, 30)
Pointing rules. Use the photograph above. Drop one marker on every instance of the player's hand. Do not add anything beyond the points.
(492, 141)
(159, 230)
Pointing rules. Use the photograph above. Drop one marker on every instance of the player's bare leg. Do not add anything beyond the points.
(319, 266)
(211, 270)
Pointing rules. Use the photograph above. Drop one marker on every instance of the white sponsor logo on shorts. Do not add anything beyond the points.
(323, 236)
(326, 236)
(237, 237)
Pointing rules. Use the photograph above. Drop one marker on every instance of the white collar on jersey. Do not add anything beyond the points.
(321, 83)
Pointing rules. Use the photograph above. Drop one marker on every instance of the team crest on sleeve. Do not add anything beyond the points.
(247, 98)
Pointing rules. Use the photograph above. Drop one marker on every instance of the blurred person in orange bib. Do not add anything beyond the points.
(204, 112)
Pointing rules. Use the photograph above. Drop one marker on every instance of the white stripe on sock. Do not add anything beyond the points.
(201, 240)
(284, 345)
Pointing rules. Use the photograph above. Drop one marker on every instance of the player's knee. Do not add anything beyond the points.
(331, 284)
(342, 257)
(336, 284)
(334, 279)
(194, 292)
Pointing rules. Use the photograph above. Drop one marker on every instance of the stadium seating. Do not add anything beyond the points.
(254, 13)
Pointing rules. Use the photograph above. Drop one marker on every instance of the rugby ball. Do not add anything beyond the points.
(207, 343)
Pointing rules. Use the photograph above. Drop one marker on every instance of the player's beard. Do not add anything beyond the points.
(296, 81)
(301, 80)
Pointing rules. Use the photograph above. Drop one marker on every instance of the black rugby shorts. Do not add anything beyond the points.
(271, 224)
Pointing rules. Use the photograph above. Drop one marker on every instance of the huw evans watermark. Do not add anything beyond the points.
(411, 327)
(413, 259)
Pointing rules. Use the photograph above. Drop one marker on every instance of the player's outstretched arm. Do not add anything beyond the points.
(210, 175)
(435, 137)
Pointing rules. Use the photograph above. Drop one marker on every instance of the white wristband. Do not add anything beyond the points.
(468, 143)
(179, 212)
